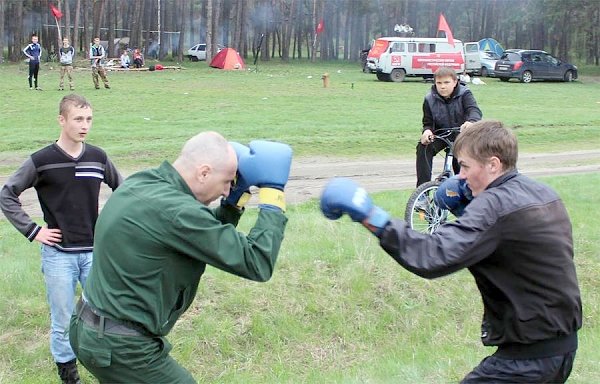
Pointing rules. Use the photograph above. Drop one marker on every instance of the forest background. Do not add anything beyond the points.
(287, 29)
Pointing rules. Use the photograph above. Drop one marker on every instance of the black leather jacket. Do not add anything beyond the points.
(515, 238)
(452, 112)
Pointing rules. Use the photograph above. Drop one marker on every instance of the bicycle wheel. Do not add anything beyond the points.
(425, 216)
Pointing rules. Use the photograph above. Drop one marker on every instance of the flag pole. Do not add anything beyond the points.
(58, 27)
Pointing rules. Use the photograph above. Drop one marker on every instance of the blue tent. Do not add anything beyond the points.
(489, 44)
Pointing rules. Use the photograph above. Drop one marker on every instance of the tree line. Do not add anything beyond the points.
(287, 29)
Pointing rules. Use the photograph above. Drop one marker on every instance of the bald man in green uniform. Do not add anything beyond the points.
(154, 238)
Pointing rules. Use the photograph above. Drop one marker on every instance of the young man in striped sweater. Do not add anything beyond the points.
(66, 175)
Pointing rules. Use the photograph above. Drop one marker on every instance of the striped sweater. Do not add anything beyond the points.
(68, 190)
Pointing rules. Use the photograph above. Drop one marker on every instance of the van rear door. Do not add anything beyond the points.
(472, 62)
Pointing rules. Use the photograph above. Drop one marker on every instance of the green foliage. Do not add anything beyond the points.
(337, 309)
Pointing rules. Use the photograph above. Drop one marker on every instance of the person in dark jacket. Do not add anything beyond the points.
(448, 104)
(66, 175)
(514, 236)
(33, 51)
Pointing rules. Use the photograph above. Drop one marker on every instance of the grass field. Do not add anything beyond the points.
(338, 309)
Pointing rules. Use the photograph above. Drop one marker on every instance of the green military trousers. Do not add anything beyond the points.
(115, 358)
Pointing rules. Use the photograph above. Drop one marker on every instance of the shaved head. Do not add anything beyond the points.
(208, 164)
(204, 148)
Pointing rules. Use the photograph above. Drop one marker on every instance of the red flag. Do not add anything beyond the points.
(443, 26)
(55, 11)
(320, 26)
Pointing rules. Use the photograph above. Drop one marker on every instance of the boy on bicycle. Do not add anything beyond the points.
(448, 104)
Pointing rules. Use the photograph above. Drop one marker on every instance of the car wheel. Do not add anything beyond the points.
(194, 58)
(503, 78)
(397, 75)
(484, 72)
(568, 76)
(526, 77)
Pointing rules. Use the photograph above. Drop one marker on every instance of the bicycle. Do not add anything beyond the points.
(428, 219)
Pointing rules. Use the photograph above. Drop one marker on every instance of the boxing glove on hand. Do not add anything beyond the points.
(454, 195)
(239, 193)
(343, 195)
(267, 165)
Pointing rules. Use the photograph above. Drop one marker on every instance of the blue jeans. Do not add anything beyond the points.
(61, 272)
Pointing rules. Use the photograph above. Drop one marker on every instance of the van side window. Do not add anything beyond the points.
(398, 47)
(412, 47)
(423, 47)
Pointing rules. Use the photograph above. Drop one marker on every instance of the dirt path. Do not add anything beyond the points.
(309, 175)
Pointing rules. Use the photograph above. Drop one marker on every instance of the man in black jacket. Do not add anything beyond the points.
(448, 104)
(515, 237)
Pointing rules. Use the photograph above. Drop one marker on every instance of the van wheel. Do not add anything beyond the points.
(503, 78)
(397, 75)
(383, 77)
(484, 72)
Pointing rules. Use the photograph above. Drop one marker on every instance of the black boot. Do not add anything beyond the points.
(68, 372)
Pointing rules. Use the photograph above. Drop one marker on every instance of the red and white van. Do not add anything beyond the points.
(393, 58)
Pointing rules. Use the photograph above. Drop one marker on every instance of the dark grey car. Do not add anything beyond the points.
(529, 65)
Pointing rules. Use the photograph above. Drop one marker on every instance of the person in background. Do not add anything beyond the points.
(33, 51)
(66, 176)
(448, 104)
(97, 56)
(138, 58)
(515, 238)
(125, 59)
(154, 239)
(66, 55)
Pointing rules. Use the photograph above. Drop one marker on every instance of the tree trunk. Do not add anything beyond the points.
(209, 29)
(17, 21)
(76, 34)
(111, 25)
(97, 17)
(1, 32)
(183, 8)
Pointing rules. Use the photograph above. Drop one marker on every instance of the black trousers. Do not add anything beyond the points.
(34, 68)
(492, 369)
(425, 154)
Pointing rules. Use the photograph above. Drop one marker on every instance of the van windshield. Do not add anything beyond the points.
(379, 47)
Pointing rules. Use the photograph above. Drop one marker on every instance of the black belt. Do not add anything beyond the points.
(558, 346)
(104, 324)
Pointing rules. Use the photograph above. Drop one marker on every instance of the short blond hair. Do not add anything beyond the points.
(485, 139)
(70, 101)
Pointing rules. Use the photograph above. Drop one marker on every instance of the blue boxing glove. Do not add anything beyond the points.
(343, 195)
(454, 195)
(239, 194)
(267, 165)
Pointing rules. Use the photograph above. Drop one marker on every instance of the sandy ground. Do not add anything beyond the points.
(309, 175)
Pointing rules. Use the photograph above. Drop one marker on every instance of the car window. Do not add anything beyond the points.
(551, 60)
(412, 47)
(423, 47)
(397, 47)
(511, 56)
(472, 48)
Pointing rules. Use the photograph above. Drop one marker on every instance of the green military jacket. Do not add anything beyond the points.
(153, 241)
